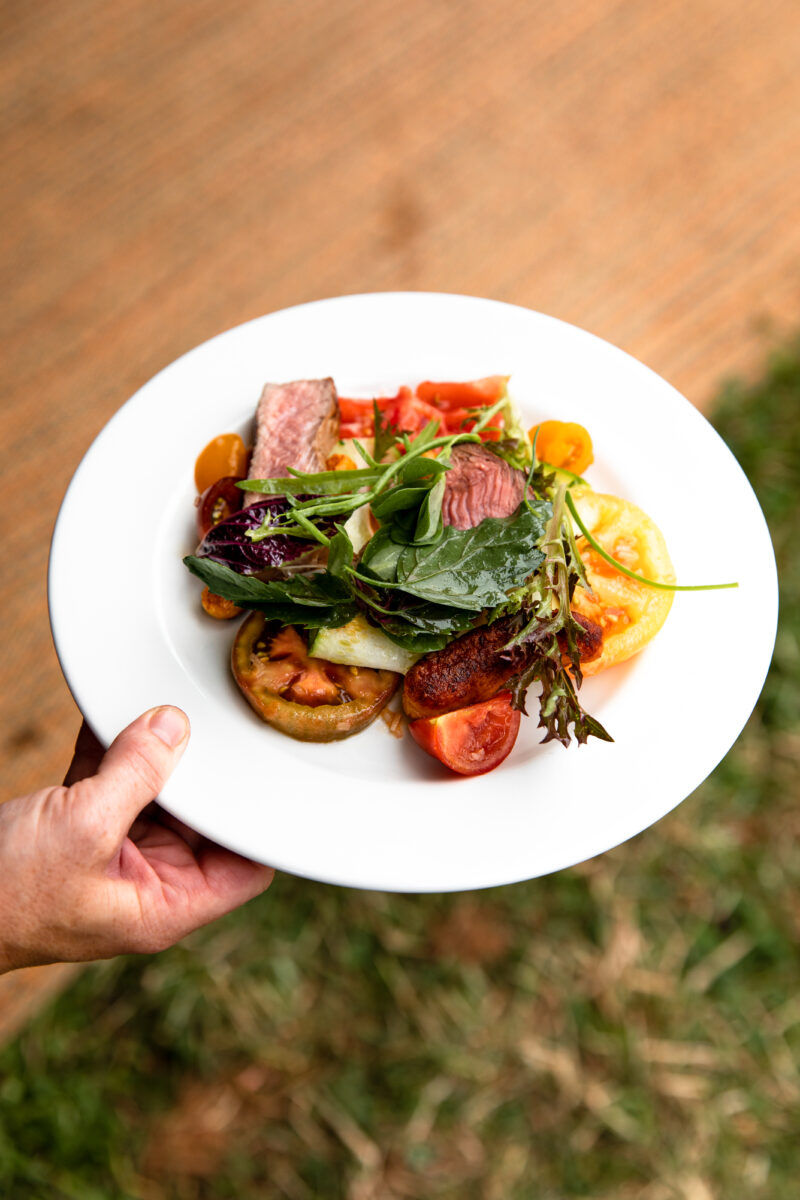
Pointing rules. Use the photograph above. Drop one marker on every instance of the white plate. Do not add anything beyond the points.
(373, 811)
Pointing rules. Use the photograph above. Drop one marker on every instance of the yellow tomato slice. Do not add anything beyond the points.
(630, 613)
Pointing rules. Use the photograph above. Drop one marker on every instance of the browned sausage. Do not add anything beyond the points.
(476, 667)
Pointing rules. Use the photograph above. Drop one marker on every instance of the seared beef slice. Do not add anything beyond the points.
(479, 485)
(297, 425)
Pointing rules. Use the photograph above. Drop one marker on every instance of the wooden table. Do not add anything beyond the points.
(170, 170)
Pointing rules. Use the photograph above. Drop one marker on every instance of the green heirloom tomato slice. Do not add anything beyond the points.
(307, 698)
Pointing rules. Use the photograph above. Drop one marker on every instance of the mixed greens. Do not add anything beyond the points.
(420, 581)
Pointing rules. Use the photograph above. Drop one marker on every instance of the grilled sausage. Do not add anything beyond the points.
(477, 666)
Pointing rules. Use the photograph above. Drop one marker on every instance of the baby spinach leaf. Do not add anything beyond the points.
(469, 569)
(429, 522)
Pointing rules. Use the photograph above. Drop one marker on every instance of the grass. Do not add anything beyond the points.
(628, 1028)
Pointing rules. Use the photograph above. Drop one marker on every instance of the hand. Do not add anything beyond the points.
(94, 868)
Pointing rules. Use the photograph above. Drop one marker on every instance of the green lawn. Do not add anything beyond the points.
(628, 1028)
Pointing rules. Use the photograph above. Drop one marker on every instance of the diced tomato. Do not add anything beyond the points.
(470, 741)
(479, 393)
(451, 404)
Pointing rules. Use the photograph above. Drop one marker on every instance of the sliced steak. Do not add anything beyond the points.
(297, 425)
(479, 485)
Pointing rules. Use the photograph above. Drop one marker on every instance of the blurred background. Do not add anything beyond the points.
(630, 1028)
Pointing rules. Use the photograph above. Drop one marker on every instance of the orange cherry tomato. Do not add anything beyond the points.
(224, 455)
(217, 606)
(470, 741)
(563, 444)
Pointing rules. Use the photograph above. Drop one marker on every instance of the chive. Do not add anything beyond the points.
(666, 587)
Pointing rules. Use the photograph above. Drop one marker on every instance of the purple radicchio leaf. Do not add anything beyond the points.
(227, 543)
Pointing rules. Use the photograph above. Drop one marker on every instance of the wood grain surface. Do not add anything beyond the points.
(171, 170)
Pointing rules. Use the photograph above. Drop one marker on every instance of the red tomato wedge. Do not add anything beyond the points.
(470, 741)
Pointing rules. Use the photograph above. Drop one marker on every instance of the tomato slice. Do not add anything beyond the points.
(217, 502)
(307, 698)
(629, 613)
(563, 444)
(470, 741)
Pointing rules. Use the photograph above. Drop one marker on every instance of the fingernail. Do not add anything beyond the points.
(170, 725)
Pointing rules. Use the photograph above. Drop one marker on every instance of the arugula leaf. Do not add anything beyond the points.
(321, 599)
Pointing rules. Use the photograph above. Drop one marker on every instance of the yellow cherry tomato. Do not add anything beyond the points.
(630, 613)
(224, 455)
(563, 444)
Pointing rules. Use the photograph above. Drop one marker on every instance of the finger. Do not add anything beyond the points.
(232, 879)
(86, 758)
(136, 766)
(193, 839)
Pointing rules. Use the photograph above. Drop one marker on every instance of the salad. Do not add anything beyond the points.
(423, 543)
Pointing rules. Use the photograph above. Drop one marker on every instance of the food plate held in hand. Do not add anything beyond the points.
(369, 809)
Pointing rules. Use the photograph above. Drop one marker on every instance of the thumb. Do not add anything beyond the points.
(136, 765)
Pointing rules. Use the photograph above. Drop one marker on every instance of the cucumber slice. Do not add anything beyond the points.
(358, 529)
(359, 644)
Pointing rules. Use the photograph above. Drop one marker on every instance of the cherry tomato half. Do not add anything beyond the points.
(470, 741)
(307, 698)
(218, 502)
(217, 606)
(224, 455)
(563, 444)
